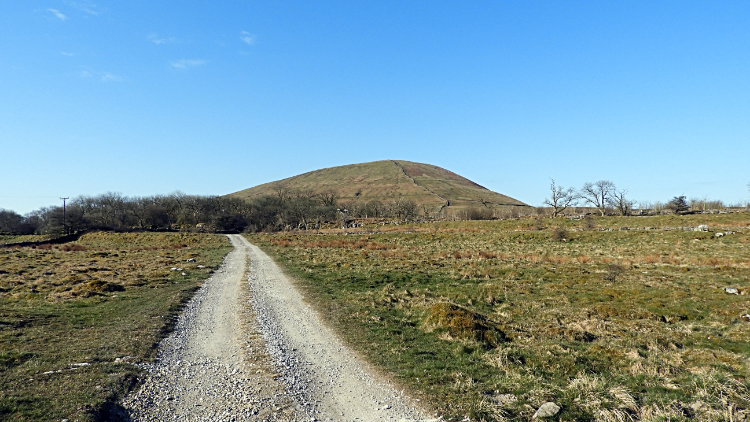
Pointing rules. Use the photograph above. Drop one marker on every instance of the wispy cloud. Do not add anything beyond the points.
(58, 14)
(247, 38)
(186, 63)
(64, 53)
(154, 38)
(102, 76)
(85, 7)
(108, 77)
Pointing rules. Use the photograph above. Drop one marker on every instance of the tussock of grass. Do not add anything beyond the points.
(611, 325)
(456, 322)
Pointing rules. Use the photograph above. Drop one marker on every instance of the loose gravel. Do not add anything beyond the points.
(248, 348)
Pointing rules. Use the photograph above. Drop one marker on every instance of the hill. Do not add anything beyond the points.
(386, 180)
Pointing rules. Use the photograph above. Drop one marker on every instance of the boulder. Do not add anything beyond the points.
(731, 290)
(546, 410)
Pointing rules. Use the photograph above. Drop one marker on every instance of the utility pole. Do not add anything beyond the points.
(65, 228)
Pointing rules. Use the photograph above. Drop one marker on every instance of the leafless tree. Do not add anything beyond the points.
(426, 210)
(328, 197)
(302, 210)
(10, 221)
(560, 198)
(376, 208)
(404, 209)
(138, 208)
(598, 194)
(282, 193)
(112, 208)
(620, 202)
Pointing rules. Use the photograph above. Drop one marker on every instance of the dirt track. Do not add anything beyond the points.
(240, 354)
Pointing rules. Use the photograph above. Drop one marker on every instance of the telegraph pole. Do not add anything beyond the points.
(65, 228)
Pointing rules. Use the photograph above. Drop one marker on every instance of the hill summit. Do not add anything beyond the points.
(385, 181)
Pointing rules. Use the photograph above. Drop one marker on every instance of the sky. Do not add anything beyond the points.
(208, 98)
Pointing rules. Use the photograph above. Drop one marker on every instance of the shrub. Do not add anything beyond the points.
(589, 223)
(560, 234)
(679, 205)
(613, 271)
(476, 213)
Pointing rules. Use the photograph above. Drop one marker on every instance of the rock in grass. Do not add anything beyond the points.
(731, 290)
(505, 399)
(546, 410)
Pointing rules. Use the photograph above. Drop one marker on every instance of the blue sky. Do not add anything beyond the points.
(149, 97)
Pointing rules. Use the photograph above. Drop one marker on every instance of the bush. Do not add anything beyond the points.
(476, 213)
(589, 223)
(679, 205)
(560, 234)
(613, 271)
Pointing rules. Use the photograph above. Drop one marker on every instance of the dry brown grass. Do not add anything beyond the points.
(613, 325)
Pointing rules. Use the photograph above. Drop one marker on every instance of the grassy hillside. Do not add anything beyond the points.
(492, 319)
(386, 180)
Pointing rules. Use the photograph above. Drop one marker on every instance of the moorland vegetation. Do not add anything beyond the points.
(74, 318)
(611, 318)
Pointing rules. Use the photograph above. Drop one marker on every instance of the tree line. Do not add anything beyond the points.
(285, 209)
(605, 197)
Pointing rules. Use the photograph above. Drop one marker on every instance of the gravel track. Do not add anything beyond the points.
(258, 354)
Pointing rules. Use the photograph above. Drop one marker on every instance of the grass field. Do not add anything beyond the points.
(74, 317)
(491, 319)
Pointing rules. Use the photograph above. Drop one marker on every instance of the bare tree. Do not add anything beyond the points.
(112, 208)
(328, 197)
(560, 198)
(426, 208)
(404, 208)
(598, 194)
(10, 221)
(619, 202)
(376, 208)
(138, 207)
(282, 193)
